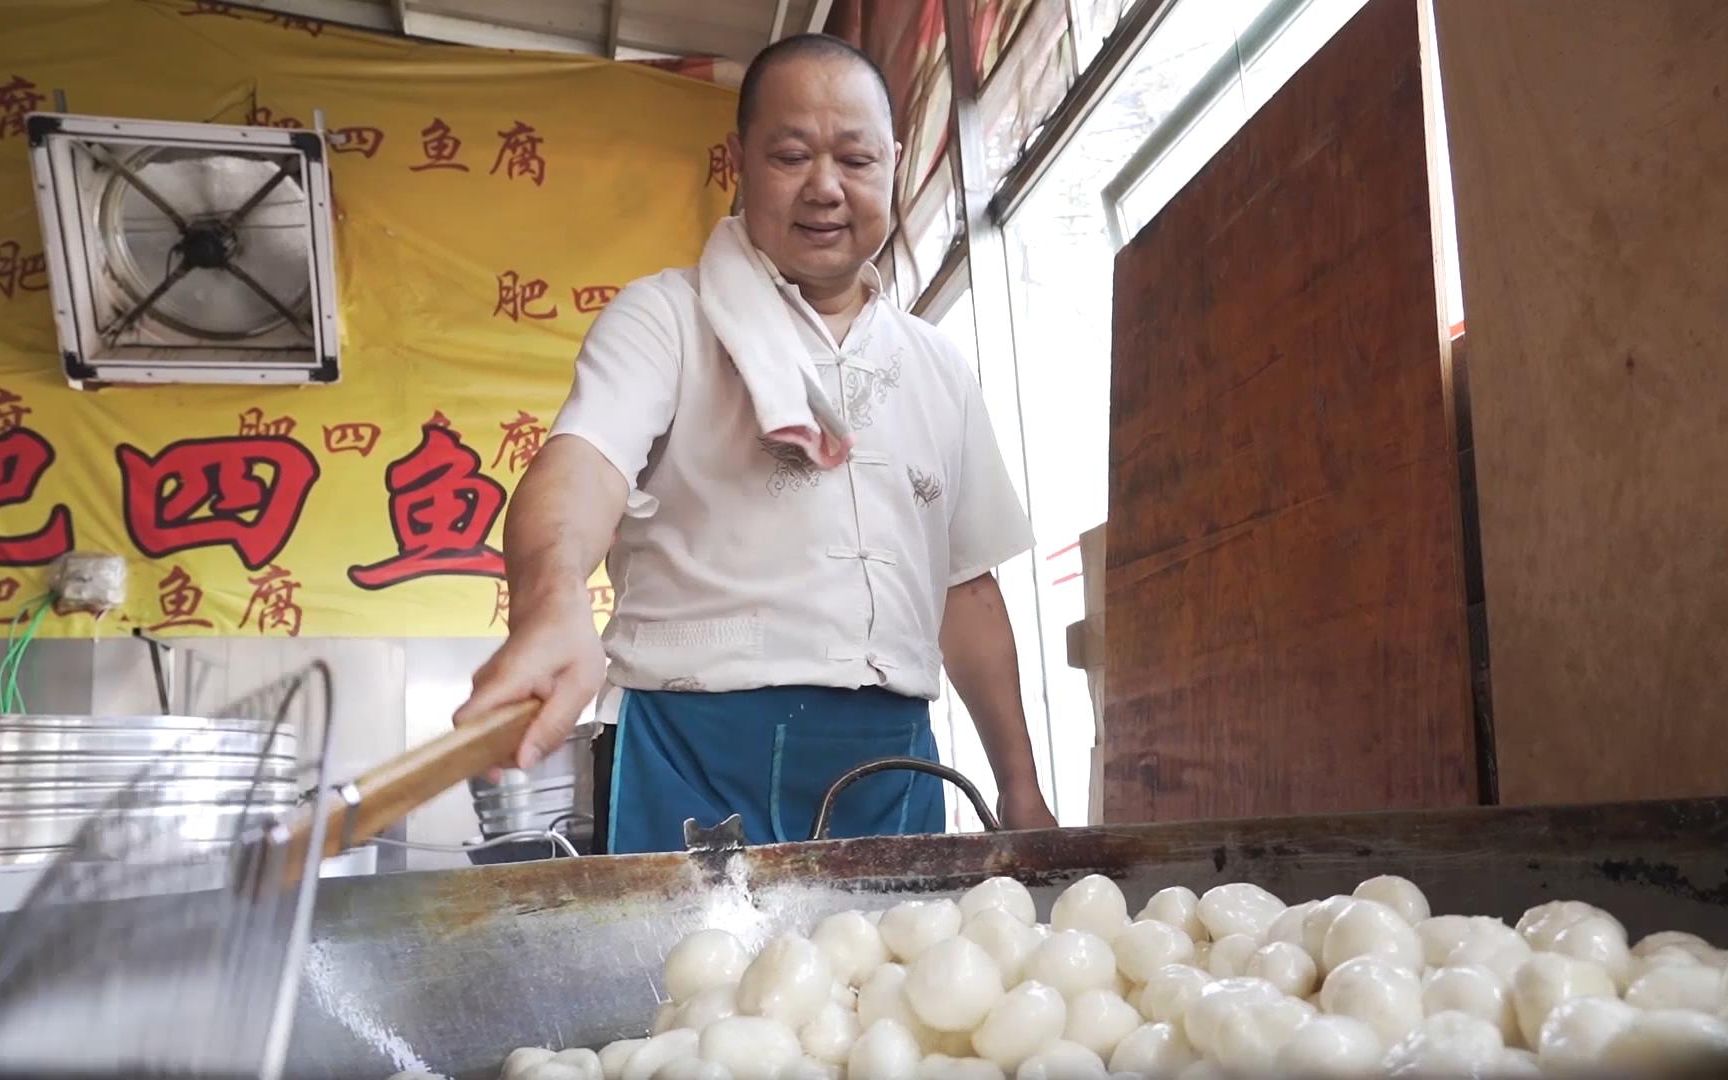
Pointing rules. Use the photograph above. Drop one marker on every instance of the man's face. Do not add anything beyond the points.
(817, 169)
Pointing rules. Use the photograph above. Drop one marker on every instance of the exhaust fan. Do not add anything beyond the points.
(186, 253)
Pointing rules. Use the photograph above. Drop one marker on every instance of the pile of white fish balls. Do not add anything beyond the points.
(1235, 982)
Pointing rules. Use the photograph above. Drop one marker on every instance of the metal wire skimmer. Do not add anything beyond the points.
(150, 950)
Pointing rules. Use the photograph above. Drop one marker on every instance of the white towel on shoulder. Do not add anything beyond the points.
(742, 302)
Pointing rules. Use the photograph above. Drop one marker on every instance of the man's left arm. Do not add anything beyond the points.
(984, 667)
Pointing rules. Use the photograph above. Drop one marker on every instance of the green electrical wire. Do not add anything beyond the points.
(11, 699)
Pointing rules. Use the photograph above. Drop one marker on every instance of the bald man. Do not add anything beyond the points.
(776, 621)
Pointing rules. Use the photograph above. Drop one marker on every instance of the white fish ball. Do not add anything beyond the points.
(1022, 1022)
(750, 1047)
(886, 1051)
(1099, 1019)
(1204, 1017)
(651, 1055)
(1094, 904)
(1382, 995)
(1673, 939)
(520, 1060)
(1170, 991)
(706, 1006)
(1230, 954)
(616, 1055)
(665, 1018)
(1287, 927)
(1446, 1044)
(1600, 940)
(1008, 940)
(1440, 935)
(1514, 1064)
(999, 894)
(1474, 991)
(1071, 961)
(1400, 894)
(1655, 1043)
(417, 1074)
(1250, 1036)
(1319, 922)
(1203, 955)
(1239, 908)
(1285, 965)
(1542, 924)
(954, 1044)
(1147, 946)
(1576, 1032)
(1666, 956)
(952, 985)
(1153, 1050)
(1370, 928)
(852, 944)
(1498, 948)
(829, 1035)
(883, 997)
(1695, 987)
(703, 959)
(1176, 906)
(1332, 1046)
(692, 1068)
(944, 1067)
(562, 1070)
(1062, 1061)
(910, 927)
(809, 1068)
(1546, 980)
(1205, 1070)
(788, 981)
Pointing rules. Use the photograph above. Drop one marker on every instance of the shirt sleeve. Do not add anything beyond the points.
(625, 388)
(987, 526)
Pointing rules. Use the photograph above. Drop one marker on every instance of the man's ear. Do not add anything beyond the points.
(735, 147)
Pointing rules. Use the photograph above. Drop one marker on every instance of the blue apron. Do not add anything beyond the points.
(767, 755)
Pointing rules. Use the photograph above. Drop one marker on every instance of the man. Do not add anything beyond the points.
(777, 621)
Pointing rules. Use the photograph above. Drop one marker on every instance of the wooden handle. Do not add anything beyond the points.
(390, 790)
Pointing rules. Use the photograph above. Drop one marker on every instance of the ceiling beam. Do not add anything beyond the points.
(614, 18)
(400, 9)
(819, 16)
(357, 13)
(779, 29)
(461, 31)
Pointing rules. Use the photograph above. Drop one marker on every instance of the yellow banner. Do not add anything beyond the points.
(488, 205)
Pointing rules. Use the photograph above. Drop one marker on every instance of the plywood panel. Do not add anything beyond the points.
(1590, 145)
(1286, 608)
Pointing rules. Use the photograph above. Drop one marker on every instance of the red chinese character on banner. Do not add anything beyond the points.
(364, 141)
(722, 169)
(314, 27)
(212, 7)
(20, 272)
(24, 457)
(243, 491)
(357, 436)
(437, 419)
(8, 589)
(18, 98)
(520, 154)
(442, 508)
(179, 599)
(263, 116)
(594, 297)
(601, 599)
(12, 410)
(252, 422)
(440, 146)
(522, 439)
(273, 602)
(501, 605)
(516, 296)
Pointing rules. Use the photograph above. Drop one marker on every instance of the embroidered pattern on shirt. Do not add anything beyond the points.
(926, 489)
(793, 470)
(868, 387)
(683, 684)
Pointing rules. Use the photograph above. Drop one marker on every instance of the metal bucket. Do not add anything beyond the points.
(556, 791)
(196, 778)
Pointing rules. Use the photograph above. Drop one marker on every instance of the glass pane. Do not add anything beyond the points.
(1093, 22)
(1025, 86)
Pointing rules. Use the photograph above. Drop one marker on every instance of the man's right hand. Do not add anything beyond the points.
(555, 655)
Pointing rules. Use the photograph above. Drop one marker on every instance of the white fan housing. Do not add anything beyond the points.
(186, 253)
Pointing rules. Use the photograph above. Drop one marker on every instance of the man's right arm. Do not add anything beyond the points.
(561, 522)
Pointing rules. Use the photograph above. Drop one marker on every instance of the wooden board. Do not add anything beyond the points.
(1590, 142)
(1285, 608)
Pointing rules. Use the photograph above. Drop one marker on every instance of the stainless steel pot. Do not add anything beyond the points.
(558, 788)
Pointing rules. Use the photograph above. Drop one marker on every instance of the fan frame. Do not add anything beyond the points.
(70, 242)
